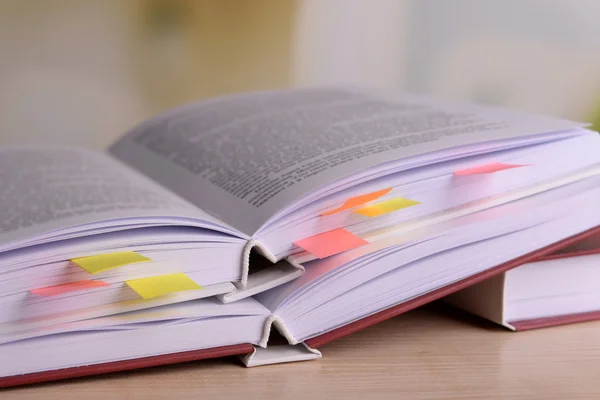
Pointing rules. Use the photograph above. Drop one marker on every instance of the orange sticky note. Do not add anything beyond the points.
(67, 287)
(330, 243)
(384, 207)
(358, 201)
(488, 169)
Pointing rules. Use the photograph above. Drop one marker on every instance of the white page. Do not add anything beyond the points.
(503, 219)
(304, 319)
(439, 191)
(82, 349)
(243, 158)
(45, 189)
(395, 287)
(113, 308)
(145, 239)
(198, 308)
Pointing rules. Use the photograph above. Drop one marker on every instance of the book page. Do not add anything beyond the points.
(243, 158)
(44, 189)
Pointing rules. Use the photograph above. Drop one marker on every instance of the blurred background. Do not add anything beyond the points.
(82, 72)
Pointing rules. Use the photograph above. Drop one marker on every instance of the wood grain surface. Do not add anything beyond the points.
(428, 353)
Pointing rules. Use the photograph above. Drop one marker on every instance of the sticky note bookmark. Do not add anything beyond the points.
(159, 285)
(358, 201)
(330, 243)
(384, 207)
(488, 169)
(103, 262)
(67, 287)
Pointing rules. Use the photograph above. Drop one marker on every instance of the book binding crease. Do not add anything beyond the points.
(274, 321)
(280, 354)
(269, 273)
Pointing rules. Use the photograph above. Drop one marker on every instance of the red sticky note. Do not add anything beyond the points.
(358, 201)
(330, 243)
(67, 287)
(487, 169)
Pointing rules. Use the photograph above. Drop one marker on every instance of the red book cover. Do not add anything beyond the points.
(125, 365)
(555, 321)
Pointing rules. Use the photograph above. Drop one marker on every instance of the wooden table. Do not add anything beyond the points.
(424, 354)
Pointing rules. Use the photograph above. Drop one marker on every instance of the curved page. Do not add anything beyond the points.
(47, 192)
(243, 158)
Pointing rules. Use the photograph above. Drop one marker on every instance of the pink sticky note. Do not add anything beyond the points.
(67, 287)
(487, 169)
(330, 243)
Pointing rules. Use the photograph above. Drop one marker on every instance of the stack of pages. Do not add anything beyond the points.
(557, 289)
(310, 212)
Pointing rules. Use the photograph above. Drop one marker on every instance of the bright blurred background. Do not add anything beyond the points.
(82, 72)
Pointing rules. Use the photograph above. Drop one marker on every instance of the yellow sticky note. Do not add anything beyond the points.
(103, 262)
(154, 286)
(375, 210)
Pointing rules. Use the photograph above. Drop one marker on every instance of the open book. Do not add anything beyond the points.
(197, 189)
(361, 189)
(330, 301)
